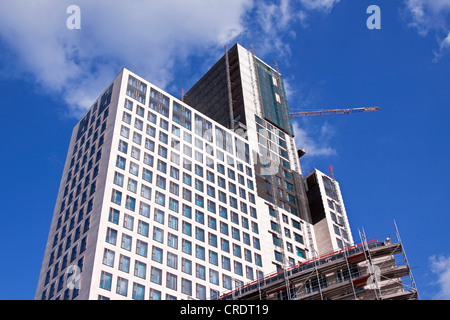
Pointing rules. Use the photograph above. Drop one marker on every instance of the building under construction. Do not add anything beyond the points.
(371, 270)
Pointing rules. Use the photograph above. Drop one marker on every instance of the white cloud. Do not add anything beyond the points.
(431, 16)
(317, 146)
(152, 38)
(440, 265)
(148, 37)
(428, 14)
(323, 5)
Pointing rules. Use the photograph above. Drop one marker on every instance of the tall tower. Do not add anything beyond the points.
(248, 96)
(168, 199)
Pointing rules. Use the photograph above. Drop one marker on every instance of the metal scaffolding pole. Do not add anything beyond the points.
(371, 267)
(405, 259)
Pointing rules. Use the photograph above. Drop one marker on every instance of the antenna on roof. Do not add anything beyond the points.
(331, 172)
(182, 94)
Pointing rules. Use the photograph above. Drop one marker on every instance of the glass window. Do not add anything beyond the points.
(171, 281)
(114, 216)
(124, 263)
(105, 280)
(157, 254)
(138, 291)
(143, 228)
(122, 286)
(140, 269)
(156, 275)
(108, 257)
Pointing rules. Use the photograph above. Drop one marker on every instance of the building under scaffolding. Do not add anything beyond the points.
(371, 270)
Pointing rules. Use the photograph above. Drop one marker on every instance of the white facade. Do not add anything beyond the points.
(331, 225)
(127, 232)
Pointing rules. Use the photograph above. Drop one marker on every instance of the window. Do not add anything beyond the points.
(105, 280)
(212, 239)
(174, 173)
(114, 216)
(143, 228)
(120, 163)
(213, 258)
(124, 263)
(186, 266)
(138, 124)
(162, 166)
(149, 144)
(162, 151)
(132, 185)
(138, 291)
(147, 175)
(172, 260)
(123, 146)
(146, 192)
(128, 222)
(186, 179)
(116, 197)
(118, 179)
(155, 294)
(122, 286)
(140, 269)
(157, 254)
(186, 246)
(186, 287)
(173, 205)
(130, 203)
(200, 271)
(171, 281)
(172, 240)
(141, 248)
(148, 159)
(198, 170)
(200, 252)
(201, 291)
(173, 222)
(187, 228)
(144, 209)
(156, 275)
(174, 188)
(158, 234)
(108, 257)
(136, 153)
(126, 242)
(111, 236)
(223, 228)
(160, 198)
(161, 182)
(134, 168)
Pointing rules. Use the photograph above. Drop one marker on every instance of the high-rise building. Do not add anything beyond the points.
(162, 198)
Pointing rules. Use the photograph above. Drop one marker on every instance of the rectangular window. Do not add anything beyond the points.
(105, 280)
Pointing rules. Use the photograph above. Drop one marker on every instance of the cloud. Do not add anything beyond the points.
(431, 16)
(440, 265)
(156, 39)
(322, 5)
(278, 21)
(317, 146)
(149, 37)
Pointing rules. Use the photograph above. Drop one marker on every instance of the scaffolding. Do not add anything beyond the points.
(370, 270)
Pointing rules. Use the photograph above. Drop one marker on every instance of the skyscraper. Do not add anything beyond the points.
(162, 198)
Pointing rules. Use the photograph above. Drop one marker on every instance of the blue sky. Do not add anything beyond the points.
(391, 164)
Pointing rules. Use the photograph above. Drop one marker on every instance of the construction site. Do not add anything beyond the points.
(371, 270)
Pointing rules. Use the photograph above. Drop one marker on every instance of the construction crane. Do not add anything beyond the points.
(334, 111)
